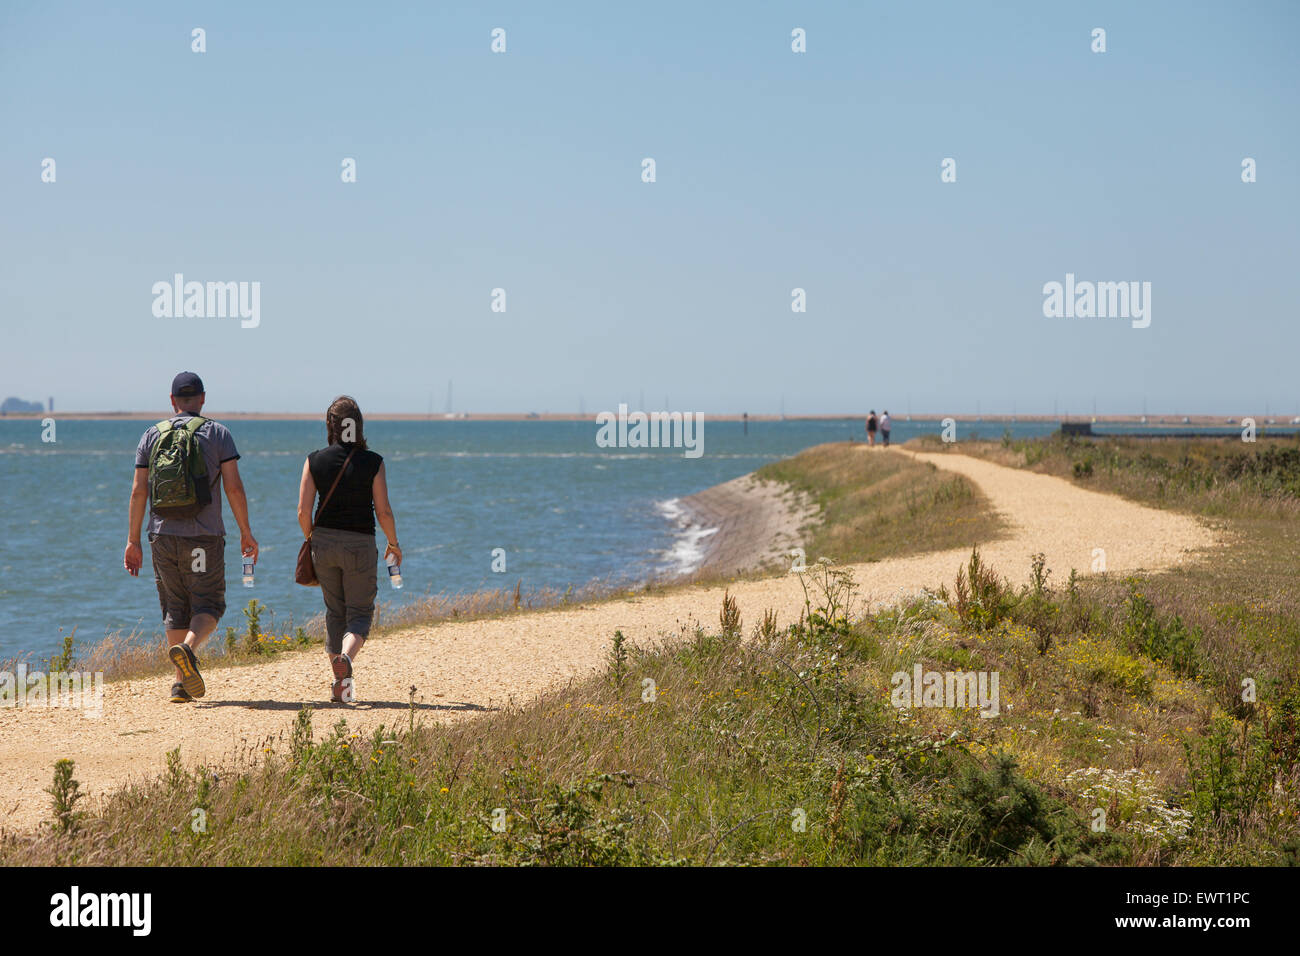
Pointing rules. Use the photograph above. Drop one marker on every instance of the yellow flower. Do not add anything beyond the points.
(443, 790)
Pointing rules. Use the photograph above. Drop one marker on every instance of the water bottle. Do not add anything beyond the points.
(394, 572)
(248, 570)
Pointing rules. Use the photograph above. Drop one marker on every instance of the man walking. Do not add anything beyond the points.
(884, 428)
(180, 464)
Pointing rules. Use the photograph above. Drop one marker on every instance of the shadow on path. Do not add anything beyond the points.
(330, 705)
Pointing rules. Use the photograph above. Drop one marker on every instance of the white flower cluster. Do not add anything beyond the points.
(1140, 804)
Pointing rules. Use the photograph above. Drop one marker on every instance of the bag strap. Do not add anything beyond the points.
(337, 479)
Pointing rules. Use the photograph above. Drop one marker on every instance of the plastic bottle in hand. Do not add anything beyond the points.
(248, 570)
(394, 572)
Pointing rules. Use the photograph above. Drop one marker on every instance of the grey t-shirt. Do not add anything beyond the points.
(218, 446)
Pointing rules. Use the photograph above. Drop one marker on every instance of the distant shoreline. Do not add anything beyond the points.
(1151, 420)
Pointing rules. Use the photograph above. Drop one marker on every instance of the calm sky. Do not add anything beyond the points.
(775, 170)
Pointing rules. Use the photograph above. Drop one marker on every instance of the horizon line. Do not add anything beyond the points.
(1011, 417)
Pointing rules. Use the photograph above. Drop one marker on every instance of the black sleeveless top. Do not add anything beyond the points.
(352, 506)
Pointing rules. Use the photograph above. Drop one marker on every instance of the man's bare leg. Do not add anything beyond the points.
(174, 637)
(200, 629)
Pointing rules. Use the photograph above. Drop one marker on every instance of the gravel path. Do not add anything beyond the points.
(463, 668)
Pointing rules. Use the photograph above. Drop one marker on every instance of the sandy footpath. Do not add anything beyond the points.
(464, 668)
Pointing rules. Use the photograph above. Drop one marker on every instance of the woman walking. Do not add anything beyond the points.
(353, 490)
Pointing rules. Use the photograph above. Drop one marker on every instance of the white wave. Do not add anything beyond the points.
(691, 545)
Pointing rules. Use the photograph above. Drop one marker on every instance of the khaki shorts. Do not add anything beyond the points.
(190, 572)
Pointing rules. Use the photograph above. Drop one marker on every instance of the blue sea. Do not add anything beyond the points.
(565, 512)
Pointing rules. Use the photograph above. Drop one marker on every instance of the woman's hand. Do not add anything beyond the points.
(384, 512)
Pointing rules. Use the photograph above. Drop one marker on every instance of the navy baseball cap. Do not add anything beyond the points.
(187, 384)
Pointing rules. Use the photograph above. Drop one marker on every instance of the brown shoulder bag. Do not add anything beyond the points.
(305, 572)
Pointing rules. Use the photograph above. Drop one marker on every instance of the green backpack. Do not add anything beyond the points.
(178, 474)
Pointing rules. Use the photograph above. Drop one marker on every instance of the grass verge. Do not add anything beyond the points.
(789, 747)
(875, 504)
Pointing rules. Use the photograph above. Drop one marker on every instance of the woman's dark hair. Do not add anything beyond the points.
(342, 413)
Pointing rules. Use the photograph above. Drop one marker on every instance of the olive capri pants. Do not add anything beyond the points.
(345, 566)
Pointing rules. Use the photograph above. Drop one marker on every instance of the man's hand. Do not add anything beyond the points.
(132, 558)
(248, 544)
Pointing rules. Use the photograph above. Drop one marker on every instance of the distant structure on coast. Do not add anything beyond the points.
(17, 406)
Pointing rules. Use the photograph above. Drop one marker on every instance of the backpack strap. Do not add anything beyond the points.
(199, 466)
(192, 426)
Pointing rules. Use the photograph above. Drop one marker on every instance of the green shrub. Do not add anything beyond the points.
(997, 812)
(253, 614)
(1230, 773)
(66, 792)
(982, 597)
(1170, 641)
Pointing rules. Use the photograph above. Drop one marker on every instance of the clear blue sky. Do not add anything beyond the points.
(775, 170)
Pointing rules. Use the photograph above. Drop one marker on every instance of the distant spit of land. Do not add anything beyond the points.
(1170, 420)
